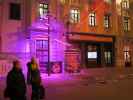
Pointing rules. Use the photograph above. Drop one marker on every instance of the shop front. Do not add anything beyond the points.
(89, 51)
(98, 54)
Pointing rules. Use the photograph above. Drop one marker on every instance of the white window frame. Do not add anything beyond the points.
(107, 21)
(127, 55)
(43, 10)
(125, 4)
(74, 15)
(126, 23)
(108, 1)
(92, 19)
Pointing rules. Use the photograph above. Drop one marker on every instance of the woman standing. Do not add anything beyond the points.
(15, 84)
(35, 79)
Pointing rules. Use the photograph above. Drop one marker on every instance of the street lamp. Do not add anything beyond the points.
(49, 30)
(48, 44)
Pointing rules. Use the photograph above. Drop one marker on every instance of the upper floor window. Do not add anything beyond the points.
(74, 1)
(63, 1)
(126, 23)
(106, 21)
(43, 9)
(14, 11)
(74, 15)
(92, 19)
(125, 4)
(127, 56)
(91, 1)
(108, 1)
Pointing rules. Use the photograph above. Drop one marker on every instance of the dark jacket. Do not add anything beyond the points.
(28, 73)
(16, 86)
(33, 76)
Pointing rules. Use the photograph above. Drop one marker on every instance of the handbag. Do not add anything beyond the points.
(6, 93)
(41, 92)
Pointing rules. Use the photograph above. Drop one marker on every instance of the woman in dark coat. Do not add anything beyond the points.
(16, 86)
(35, 79)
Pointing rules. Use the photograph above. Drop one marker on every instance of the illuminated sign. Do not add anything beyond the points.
(56, 67)
(92, 55)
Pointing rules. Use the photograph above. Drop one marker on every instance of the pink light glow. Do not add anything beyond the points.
(63, 43)
(56, 77)
(56, 30)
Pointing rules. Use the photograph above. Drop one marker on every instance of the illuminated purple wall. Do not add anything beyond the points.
(39, 31)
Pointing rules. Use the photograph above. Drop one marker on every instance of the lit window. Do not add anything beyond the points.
(92, 19)
(127, 55)
(108, 57)
(126, 23)
(74, 16)
(90, 1)
(125, 4)
(43, 9)
(74, 1)
(71, 1)
(63, 1)
(106, 21)
(108, 1)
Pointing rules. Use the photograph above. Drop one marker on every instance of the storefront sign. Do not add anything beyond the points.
(79, 37)
(56, 67)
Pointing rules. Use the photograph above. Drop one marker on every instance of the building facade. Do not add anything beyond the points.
(91, 32)
(74, 34)
(124, 29)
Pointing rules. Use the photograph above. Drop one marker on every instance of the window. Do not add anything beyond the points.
(108, 57)
(63, 1)
(127, 56)
(14, 11)
(41, 45)
(106, 21)
(42, 54)
(92, 19)
(42, 50)
(92, 52)
(74, 16)
(125, 4)
(91, 1)
(43, 9)
(74, 1)
(92, 55)
(108, 1)
(71, 2)
(126, 23)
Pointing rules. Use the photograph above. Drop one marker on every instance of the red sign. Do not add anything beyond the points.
(56, 67)
(79, 37)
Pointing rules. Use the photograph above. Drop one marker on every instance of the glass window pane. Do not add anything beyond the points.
(74, 15)
(92, 19)
(43, 9)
